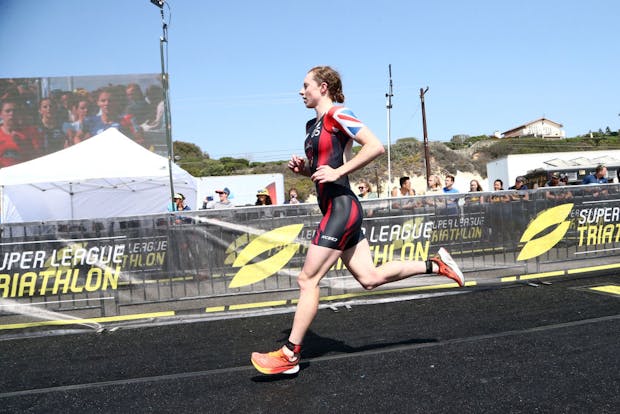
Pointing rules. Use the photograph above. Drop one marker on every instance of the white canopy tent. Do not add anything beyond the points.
(108, 175)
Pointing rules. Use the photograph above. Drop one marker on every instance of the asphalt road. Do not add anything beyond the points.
(505, 349)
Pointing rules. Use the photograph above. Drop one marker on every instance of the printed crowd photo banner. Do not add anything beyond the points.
(206, 257)
(44, 115)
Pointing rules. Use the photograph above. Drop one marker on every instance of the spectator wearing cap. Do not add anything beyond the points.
(178, 203)
(263, 198)
(223, 202)
(520, 187)
(519, 206)
(554, 181)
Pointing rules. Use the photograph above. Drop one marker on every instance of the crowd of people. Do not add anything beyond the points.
(32, 125)
(402, 194)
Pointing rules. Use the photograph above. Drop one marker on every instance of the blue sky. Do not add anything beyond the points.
(236, 66)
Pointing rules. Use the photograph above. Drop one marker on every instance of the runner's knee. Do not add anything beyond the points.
(305, 281)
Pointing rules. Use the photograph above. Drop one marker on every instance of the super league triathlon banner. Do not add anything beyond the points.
(259, 249)
(45, 115)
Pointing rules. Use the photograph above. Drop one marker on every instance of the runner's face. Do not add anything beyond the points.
(310, 91)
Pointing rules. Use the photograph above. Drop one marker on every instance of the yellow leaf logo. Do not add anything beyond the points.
(550, 217)
(281, 237)
(231, 251)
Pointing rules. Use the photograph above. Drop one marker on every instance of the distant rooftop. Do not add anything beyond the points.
(582, 161)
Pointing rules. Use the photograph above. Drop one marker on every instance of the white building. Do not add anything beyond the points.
(540, 128)
(574, 164)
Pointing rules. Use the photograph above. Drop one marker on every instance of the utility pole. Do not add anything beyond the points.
(427, 157)
(389, 130)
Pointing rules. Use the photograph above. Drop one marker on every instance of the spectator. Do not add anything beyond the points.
(365, 191)
(50, 132)
(451, 203)
(519, 207)
(16, 144)
(474, 187)
(554, 180)
(10, 153)
(405, 188)
(208, 203)
(499, 213)
(75, 131)
(556, 195)
(263, 198)
(63, 109)
(223, 202)
(520, 187)
(136, 103)
(155, 118)
(598, 177)
(449, 188)
(434, 185)
(293, 196)
(178, 203)
(110, 104)
(498, 185)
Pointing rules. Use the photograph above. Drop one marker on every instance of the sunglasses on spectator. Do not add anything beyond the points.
(361, 187)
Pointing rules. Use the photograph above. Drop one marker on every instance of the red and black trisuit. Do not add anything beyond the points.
(326, 140)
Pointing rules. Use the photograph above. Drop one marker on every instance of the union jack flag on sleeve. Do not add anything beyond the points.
(347, 122)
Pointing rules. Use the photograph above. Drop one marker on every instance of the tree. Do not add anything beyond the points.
(187, 150)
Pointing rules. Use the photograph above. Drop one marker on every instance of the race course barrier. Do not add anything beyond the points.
(88, 272)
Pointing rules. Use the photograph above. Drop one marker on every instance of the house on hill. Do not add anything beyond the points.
(540, 128)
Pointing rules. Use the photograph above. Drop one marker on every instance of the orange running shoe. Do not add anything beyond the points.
(276, 362)
(448, 267)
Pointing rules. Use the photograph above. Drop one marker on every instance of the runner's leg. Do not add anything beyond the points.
(318, 261)
(358, 259)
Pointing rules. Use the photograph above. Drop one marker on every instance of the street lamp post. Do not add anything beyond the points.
(163, 41)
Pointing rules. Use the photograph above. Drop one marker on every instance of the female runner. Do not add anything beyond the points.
(329, 138)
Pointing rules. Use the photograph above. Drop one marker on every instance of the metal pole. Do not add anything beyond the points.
(427, 157)
(164, 80)
(389, 131)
